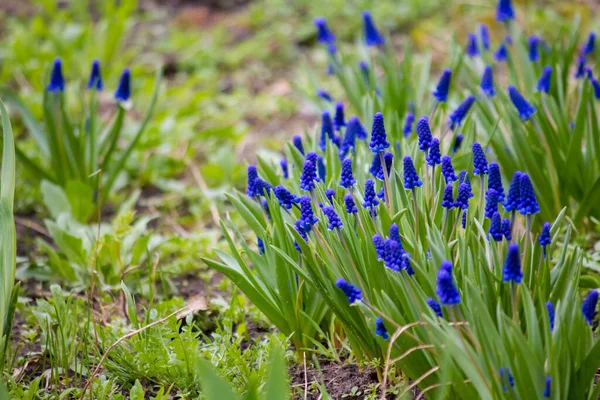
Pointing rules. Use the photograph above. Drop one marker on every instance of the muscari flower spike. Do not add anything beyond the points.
(395, 234)
(408, 124)
(380, 329)
(411, 179)
(506, 231)
(505, 11)
(350, 204)
(370, 196)
(334, 220)
(534, 48)
(487, 82)
(361, 133)
(393, 255)
(261, 246)
(285, 198)
(297, 142)
(309, 173)
(375, 168)
(484, 35)
(424, 133)
(588, 308)
(349, 141)
(57, 80)
(472, 47)
(379, 246)
(457, 142)
(545, 237)
(388, 158)
(548, 384)
(307, 214)
(502, 53)
(464, 177)
(496, 227)
(435, 306)
(95, 81)
(378, 136)
(372, 35)
(495, 180)
(528, 202)
(512, 265)
(330, 194)
(513, 197)
(580, 67)
(456, 118)
(299, 226)
(324, 95)
(550, 308)
(262, 187)
(448, 199)
(324, 35)
(543, 84)
(284, 167)
(523, 107)
(446, 289)
(352, 293)
(480, 164)
(596, 86)
(448, 169)
(491, 203)
(252, 176)
(441, 90)
(464, 220)
(123, 91)
(339, 120)
(347, 179)
(434, 156)
(321, 168)
(464, 194)
(326, 130)
(590, 44)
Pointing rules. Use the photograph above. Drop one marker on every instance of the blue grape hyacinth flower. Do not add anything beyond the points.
(408, 124)
(502, 53)
(512, 265)
(393, 255)
(261, 246)
(534, 48)
(370, 196)
(496, 227)
(448, 199)
(547, 392)
(324, 95)
(480, 164)
(484, 35)
(309, 173)
(285, 198)
(95, 81)
(349, 142)
(262, 187)
(472, 49)
(57, 80)
(380, 329)
(434, 156)
(464, 219)
(590, 44)
(588, 308)
(424, 133)
(495, 180)
(339, 120)
(321, 168)
(456, 118)
(506, 230)
(513, 197)
(448, 169)
(580, 67)
(372, 35)
(411, 179)
(441, 90)
(487, 82)
(527, 200)
(347, 178)
(378, 135)
(395, 234)
(123, 92)
(330, 194)
(350, 204)
(388, 159)
(379, 246)
(464, 194)
(491, 203)
(334, 220)
(299, 226)
(457, 142)
(324, 35)
(545, 238)
(375, 168)
(352, 293)
(326, 130)
(297, 142)
(523, 107)
(446, 289)
(464, 177)
(550, 308)
(596, 87)
(307, 215)
(284, 167)
(435, 306)
(543, 84)
(252, 176)
(505, 11)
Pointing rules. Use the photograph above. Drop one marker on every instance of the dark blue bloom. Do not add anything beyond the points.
(544, 82)
(326, 130)
(435, 306)
(297, 141)
(349, 141)
(321, 168)
(260, 245)
(525, 109)
(286, 199)
(347, 179)
(456, 118)
(411, 179)
(330, 194)
(378, 136)
(491, 203)
(95, 80)
(496, 227)
(590, 44)
(441, 90)
(501, 54)
(299, 226)
(550, 308)
(434, 156)
(375, 168)
(388, 158)
(448, 199)
(339, 120)
(588, 307)
(508, 377)
(370, 195)
(545, 237)
(465, 178)
(464, 194)
(457, 142)
(307, 215)
(360, 131)
(596, 87)
(513, 198)
(393, 255)
(123, 91)
(424, 133)
(408, 124)
(379, 246)
(309, 173)
(372, 35)
(381, 194)
(495, 180)
(284, 167)
(534, 48)
(262, 188)
(484, 35)
(350, 204)
(472, 47)
(512, 265)
(487, 82)
(528, 202)
(480, 164)
(57, 81)
(352, 293)
(580, 68)
(505, 11)
(252, 175)
(548, 384)
(446, 289)
(334, 220)
(506, 231)
(448, 169)
(395, 234)
(464, 219)
(380, 329)
(324, 35)
(324, 95)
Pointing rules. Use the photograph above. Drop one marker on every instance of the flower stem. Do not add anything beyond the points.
(481, 197)
(416, 211)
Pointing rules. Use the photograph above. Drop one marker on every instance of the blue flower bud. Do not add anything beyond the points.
(534, 48)
(339, 120)
(446, 289)
(505, 375)
(456, 118)
(334, 220)
(286, 199)
(544, 82)
(588, 307)
(309, 173)
(324, 95)
(378, 135)
(441, 90)
(464, 219)
(528, 202)
(480, 164)
(95, 81)
(380, 329)
(506, 231)
(123, 91)
(434, 156)
(352, 293)
(411, 179)
(435, 306)
(523, 107)
(370, 195)
(596, 87)
(580, 68)
(299, 226)
(379, 246)
(484, 35)
(547, 389)
(395, 234)
(491, 203)
(545, 237)
(252, 176)
(297, 141)
(57, 81)
(448, 169)
(408, 124)
(262, 188)
(347, 179)
(350, 204)
(448, 199)
(590, 44)
(326, 130)
(321, 168)
(372, 35)
(284, 167)
(487, 82)
(550, 308)
(349, 141)
(502, 53)
(307, 215)
(496, 227)
(513, 198)
(457, 142)
(512, 265)
(324, 35)
(462, 199)
(424, 133)
(495, 180)
(472, 49)
(393, 255)
(505, 11)
(330, 194)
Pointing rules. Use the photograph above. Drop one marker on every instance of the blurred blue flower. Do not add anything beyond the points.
(495, 180)
(441, 90)
(457, 142)
(588, 308)
(95, 81)
(446, 289)
(299, 226)
(379, 246)
(545, 237)
(580, 67)
(496, 227)
(484, 35)
(378, 135)
(326, 130)
(284, 168)
(411, 179)
(456, 118)
(506, 231)
(347, 179)
(324, 95)
(435, 306)
(491, 203)
(252, 175)
(297, 141)
(448, 169)
(380, 329)
(57, 80)
(550, 308)
(534, 48)
(330, 194)
(372, 35)
(544, 82)
(525, 109)
(502, 53)
(513, 198)
(590, 44)
(260, 245)
(512, 265)
(123, 91)
(472, 49)
(408, 124)
(321, 168)
(527, 201)
(324, 35)
(285, 198)
(350, 204)
(487, 82)
(505, 11)
(339, 120)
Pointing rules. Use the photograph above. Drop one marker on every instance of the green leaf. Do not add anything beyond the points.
(214, 387)
(277, 387)
(55, 199)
